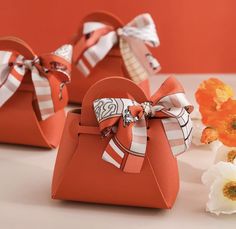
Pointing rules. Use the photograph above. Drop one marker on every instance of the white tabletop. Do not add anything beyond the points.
(25, 180)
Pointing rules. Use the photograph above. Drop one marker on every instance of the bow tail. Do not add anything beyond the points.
(43, 94)
(96, 51)
(139, 62)
(133, 66)
(10, 77)
(176, 107)
(178, 129)
(146, 25)
(174, 95)
(126, 150)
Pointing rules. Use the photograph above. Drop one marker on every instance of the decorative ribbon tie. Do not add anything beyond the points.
(13, 67)
(100, 38)
(127, 120)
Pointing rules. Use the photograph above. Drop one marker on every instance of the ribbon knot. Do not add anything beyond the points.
(120, 32)
(101, 38)
(13, 67)
(29, 63)
(136, 112)
(147, 109)
(126, 120)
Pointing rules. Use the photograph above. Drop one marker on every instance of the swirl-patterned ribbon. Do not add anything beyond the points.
(127, 120)
(13, 67)
(100, 38)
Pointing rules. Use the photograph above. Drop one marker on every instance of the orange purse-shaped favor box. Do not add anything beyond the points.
(106, 47)
(120, 147)
(32, 93)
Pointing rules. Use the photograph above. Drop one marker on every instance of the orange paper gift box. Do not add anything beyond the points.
(32, 93)
(120, 147)
(106, 47)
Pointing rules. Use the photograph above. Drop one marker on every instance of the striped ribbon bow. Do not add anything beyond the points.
(13, 67)
(100, 38)
(127, 119)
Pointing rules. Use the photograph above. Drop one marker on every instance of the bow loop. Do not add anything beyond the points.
(142, 27)
(60, 61)
(13, 67)
(127, 120)
(171, 95)
(101, 38)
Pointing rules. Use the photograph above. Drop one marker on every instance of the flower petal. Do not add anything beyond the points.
(218, 203)
(222, 154)
(227, 170)
(210, 175)
(220, 170)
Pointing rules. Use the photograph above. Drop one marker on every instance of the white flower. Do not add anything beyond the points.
(227, 154)
(221, 178)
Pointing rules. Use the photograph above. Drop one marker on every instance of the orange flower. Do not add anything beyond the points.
(209, 135)
(224, 121)
(211, 94)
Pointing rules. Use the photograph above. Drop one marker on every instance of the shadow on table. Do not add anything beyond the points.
(188, 173)
(22, 149)
(28, 184)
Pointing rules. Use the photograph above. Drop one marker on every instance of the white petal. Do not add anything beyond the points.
(227, 170)
(209, 176)
(218, 203)
(221, 154)
(222, 170)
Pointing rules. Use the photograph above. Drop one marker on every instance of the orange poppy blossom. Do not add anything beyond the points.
(218, 111)
(210, 95)
(225, 123)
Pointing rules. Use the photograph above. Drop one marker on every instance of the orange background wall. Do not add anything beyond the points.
(196, 35)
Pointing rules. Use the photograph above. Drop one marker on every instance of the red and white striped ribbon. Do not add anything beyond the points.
(127, 148)
(100, 39)
(13, 67)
